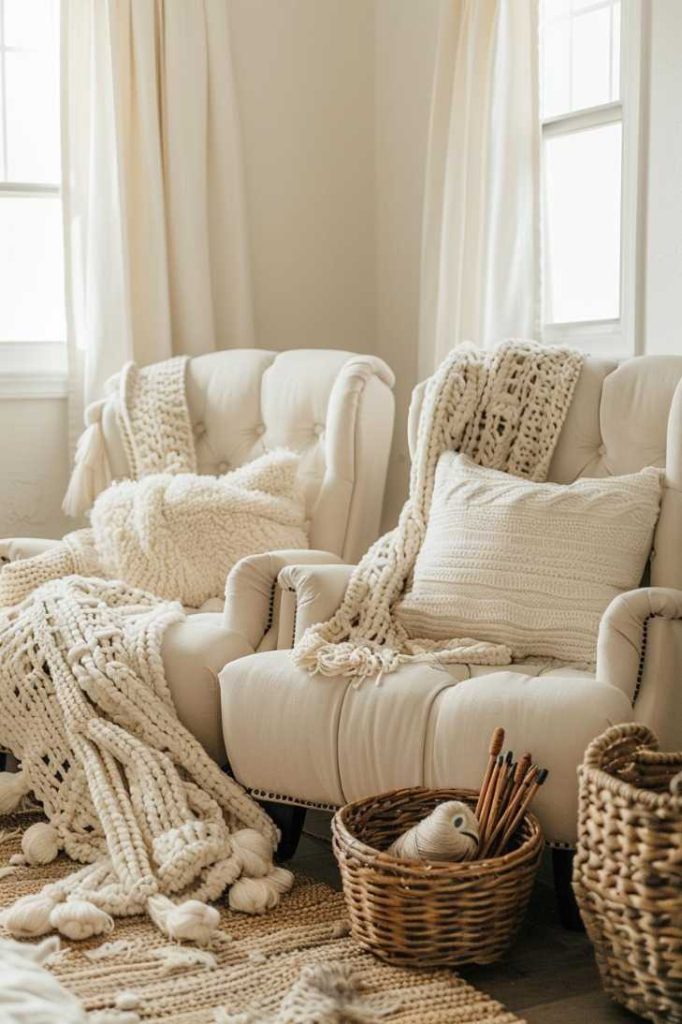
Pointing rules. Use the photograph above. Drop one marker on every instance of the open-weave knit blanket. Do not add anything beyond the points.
(505, 410)
(85, 707)
(127, 789)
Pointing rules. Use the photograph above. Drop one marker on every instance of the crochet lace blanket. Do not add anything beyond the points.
(128, 791)
(504, 409)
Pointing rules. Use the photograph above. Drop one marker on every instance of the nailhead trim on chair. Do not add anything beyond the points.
(642, 657)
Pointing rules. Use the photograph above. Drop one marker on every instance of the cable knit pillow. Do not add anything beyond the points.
(179, 536)
(529, 565)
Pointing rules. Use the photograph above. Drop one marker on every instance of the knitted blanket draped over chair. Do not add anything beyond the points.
(85, 707)
(505, 410)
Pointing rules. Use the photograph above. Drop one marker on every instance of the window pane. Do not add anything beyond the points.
(580, 54)
(31, 99)
(582, 225)
(31, 269)
(31, 24)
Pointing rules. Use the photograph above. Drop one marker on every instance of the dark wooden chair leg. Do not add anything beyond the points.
(289, 819)
(569, 915)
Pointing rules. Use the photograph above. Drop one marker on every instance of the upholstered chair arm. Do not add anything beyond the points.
(640, 652)
(15, 548)
(252, 597)
(310, 594)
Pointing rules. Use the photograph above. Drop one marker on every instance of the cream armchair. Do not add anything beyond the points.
(322, 742)
(337, 409)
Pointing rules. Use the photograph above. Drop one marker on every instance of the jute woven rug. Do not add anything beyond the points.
(252, 967)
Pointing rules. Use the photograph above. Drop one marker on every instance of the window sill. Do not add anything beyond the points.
(35, 369)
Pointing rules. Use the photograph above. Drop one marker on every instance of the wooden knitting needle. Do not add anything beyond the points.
(496, 741)
(498, 804)
(489, 798)
(519, 780)
(498, 796)
(518, 817)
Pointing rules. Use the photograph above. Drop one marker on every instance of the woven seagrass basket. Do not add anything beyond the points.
(627, 872)
(427, 914)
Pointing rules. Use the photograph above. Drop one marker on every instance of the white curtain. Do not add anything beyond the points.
(156, 252)
(481, 246)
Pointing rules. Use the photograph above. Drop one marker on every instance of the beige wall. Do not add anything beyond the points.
(663, 263)
(304, 81)
(405, 52)
(33, 467)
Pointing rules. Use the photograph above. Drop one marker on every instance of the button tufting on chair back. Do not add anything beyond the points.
(334, 407)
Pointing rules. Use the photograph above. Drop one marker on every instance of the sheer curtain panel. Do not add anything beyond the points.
(156, 249)
(480, 257)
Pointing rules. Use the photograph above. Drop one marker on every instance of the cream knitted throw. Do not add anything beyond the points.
(128, 791)
(150, 406)
(505, 410)
(85, 707)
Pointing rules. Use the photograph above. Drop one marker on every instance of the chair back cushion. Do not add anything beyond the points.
(335, 408)
(623, 416)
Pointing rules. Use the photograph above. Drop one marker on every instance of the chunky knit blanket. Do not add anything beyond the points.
(128, 791)
(504, 409)
(85, 707)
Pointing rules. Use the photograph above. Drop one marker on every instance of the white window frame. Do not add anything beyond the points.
(28, 369)
(621, 337)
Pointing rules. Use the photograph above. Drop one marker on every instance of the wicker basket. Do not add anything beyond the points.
(628, 869)
(427, 913)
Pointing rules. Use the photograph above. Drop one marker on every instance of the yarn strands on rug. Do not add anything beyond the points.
(254, 970)
(504, 409)
(127, 789)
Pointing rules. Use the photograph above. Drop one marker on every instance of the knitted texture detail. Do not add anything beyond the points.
(504, 409)
(131, 794)
(179, 536)
(531, 566)
(154, 420)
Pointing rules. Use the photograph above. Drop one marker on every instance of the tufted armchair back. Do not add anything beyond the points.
(623, 417)
(334, 407)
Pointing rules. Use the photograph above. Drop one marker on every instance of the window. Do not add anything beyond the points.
(589, 90)
(32, 320)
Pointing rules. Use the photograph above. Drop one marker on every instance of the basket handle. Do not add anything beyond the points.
(624, 741)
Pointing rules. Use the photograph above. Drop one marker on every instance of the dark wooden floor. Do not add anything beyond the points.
(548, 977)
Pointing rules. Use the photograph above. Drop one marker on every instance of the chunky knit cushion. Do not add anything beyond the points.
(529, 565)
(178, 536)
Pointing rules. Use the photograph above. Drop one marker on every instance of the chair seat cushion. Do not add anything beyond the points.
(324, 740)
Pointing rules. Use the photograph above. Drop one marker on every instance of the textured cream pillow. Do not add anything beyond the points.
(178, 536)
(529, 565)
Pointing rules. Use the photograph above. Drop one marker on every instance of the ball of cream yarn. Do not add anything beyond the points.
(449, 832)
(40, 843)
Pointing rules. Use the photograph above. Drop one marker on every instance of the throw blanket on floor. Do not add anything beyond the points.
(127, 789)
(505, 410)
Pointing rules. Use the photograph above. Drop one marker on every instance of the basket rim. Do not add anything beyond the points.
(418, 869)
(650, 798)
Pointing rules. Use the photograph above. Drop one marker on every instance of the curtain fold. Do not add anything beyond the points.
(155, 227)
(481, 238)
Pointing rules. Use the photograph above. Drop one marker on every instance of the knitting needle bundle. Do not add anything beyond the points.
(453, 832)
(506, 793)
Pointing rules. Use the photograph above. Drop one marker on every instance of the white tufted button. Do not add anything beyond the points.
(318, 429)
(260, 429)
(223, 467)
